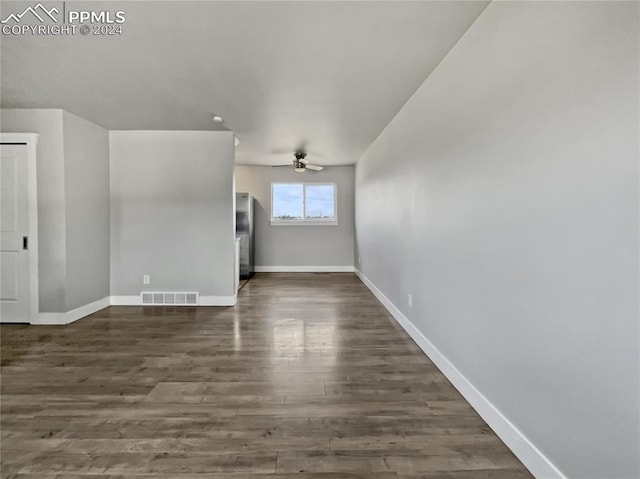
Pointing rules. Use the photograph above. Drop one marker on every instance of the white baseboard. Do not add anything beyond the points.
(126, 300)
(218, 300)
(73, 315)
(304, 269)
(87, 309)
(539, 465)
(79, 313)
(48, 319)
(202, 301)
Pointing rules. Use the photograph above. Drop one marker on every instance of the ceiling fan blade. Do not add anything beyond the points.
(314, 167)
(302, 160)
(280, 166)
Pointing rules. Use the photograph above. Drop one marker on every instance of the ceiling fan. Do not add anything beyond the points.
(300, 164)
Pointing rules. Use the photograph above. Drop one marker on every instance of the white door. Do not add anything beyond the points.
(14, 233)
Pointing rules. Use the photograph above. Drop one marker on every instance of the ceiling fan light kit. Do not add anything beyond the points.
(298, 166)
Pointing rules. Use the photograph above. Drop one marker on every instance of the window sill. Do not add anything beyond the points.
(304, 223)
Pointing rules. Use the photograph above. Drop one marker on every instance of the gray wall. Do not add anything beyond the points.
(73, 205)
(51, 199)
(172, 211)
(300, 245)
(504, 197)
(86, 161)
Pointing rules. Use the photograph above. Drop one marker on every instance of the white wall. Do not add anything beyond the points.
(51, 199)
(297, 246)
(172, 212)
(504, 197)
(86, 154)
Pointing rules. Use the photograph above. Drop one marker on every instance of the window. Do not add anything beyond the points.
(303, 203)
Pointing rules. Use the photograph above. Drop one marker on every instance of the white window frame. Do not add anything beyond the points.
(307, 221)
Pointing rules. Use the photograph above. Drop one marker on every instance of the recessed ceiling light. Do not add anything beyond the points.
(218, 119)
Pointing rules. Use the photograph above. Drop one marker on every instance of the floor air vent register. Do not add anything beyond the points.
(173, 298)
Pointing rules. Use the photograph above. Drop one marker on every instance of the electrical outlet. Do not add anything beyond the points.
(358, 259)
(410, 300)
(146, 279)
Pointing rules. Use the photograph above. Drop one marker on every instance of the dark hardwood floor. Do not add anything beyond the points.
(308, 376)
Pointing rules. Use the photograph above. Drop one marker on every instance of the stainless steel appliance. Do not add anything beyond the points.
(245, 231)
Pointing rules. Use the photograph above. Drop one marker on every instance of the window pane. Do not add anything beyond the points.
(287, 201)
(319, 202)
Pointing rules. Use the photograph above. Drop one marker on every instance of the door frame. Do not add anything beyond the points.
(30, 140)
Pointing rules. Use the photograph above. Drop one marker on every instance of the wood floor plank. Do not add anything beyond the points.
(308, 376)
(328, 461)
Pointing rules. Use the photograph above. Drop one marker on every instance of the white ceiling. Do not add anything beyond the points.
(328, 75)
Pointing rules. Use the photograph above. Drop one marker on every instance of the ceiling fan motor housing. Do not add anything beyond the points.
(298, 165)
